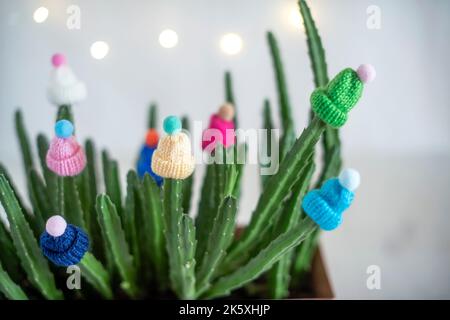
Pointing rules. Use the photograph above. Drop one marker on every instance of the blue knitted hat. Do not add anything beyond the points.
(326, 205)
(63, 244)
(144, 164)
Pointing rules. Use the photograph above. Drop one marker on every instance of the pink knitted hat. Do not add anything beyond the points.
(222, 121)
(65, 156)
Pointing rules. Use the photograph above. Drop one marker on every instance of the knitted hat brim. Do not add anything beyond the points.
(170, 169)
(71, 254)
(326, 110)
(67, 167)
(320, 211)
(59, 95)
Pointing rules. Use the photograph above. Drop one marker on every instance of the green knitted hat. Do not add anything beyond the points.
(332, 103)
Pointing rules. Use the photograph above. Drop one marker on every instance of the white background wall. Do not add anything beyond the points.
(398, 136)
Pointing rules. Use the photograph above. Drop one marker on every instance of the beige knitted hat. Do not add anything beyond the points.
(173, 156)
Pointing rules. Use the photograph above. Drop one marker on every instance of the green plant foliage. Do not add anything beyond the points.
(332, 161)
(8, 255)
(88, 192)
(279, 275)
(153, 224)
(144, 243)
(65, 113)
(41, 204)
(229, 95)
(283, 97)
(319, 66)
(278, 185)
(206, 211)
(51, 180)
(268, 125)
(9, 288)
(180, 240)
(262, 262)
(31, 258)
(133, 205)
(112, 181)
(306, 250)
(94, 272)
(115, 239)
(152, 116)
(24, 141)
(219, 239)
(187, 183)
(70, 203)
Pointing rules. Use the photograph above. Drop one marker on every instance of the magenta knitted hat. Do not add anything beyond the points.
(223, 125)
(65, 156)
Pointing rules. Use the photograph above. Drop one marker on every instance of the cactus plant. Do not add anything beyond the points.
(144, 242)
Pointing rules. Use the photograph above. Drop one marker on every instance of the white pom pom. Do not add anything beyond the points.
(56, 226)
(366, 73)
(349, 179)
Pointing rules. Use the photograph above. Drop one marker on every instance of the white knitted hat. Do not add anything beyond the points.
(64, 87)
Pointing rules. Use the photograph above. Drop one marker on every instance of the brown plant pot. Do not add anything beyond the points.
(317, 282)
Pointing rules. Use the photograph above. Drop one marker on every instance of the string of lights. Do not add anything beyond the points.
(230, 43)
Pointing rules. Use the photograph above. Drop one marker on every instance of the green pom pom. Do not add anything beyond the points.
(172, 125)
(332, 103)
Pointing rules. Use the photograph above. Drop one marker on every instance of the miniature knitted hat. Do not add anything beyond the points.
(326, 205)
(64, 88)
(173, 158)
(65, 156)
(145, 157)
(63, 244)
(332, 103)
(222, 121)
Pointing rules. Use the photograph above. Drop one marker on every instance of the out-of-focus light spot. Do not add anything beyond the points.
(168, 39)
(40, 15)
(99, 50)
(231, 43)
(295, 17)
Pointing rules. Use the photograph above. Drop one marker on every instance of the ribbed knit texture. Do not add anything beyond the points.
(332, 104)
(145, 162)
(64, 87)
(173, 158)
(216, 122)
(65, 157)
(67, 249)
(325, 206)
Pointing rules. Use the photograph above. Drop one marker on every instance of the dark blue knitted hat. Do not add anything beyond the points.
(63, 244)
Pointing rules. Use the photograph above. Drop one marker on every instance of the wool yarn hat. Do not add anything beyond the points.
(63, 244)
(64, 88)
(146, 155)
(223, 122)
(173, 157)
(326, 205)
(333, 103)
(65, 156)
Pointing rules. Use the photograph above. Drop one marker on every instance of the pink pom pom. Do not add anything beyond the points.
(55, 226)
(58, 59)
(366, 73)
